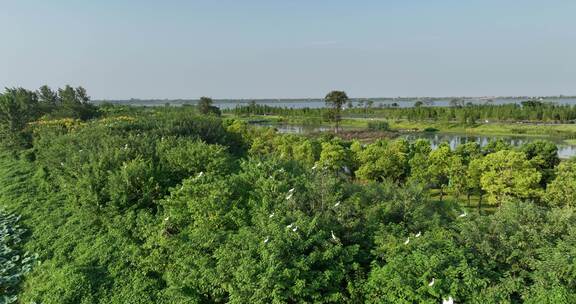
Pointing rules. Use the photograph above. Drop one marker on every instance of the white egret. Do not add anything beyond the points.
(315, 166)
(463, 214)
(295, 229)
(290, 226)
(407, 241)
(271, 215)
(431, 283)
(337, 204)
(200, 174)
(167, 218)
(418, 234)
(266, 240)
(448, 301)
(126, 147)
(289, 196)
(333, 236)
(291, 190)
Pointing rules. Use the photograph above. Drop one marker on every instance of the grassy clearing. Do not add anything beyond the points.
(513, 129)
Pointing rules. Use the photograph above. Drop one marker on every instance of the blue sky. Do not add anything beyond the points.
(261, 49)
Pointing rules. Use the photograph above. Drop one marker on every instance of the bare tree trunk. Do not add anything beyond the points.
(480, 204)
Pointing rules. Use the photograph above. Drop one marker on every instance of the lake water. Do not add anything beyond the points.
(565, 150)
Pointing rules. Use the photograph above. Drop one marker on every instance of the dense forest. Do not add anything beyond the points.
(117, 204)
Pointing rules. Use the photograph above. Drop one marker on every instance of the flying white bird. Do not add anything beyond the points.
(266, 240)
(418, 234)
(337, 204)
(333, 236)
(271, 215)
(463, 214)
(295, 229)
(448, 301)
(431, 283)
(407, 241)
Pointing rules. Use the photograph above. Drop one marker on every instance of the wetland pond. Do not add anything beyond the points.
(565, 150)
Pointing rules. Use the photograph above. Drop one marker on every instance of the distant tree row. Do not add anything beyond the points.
(19, 106)
(530, 110)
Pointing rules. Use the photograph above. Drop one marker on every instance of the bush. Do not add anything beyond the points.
(430, 129)
(378, 126)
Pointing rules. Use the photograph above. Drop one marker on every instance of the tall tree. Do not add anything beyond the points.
(440, 161)
(562, 190)
(335, 100)
(508, 173)
(17, 108)
(67, 95)
(81, 95)
(205, 106)
(47, 96)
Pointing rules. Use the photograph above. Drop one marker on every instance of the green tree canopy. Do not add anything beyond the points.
(508, 173)
(335, 100)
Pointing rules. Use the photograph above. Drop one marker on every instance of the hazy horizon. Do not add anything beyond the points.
(268, 50)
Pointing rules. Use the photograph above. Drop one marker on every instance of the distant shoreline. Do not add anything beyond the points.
(295, 100)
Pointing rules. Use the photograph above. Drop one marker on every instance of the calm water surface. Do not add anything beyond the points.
(453, 139)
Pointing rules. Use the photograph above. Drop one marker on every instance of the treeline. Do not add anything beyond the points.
(529, 111)
(19, 107)
(164, 205)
